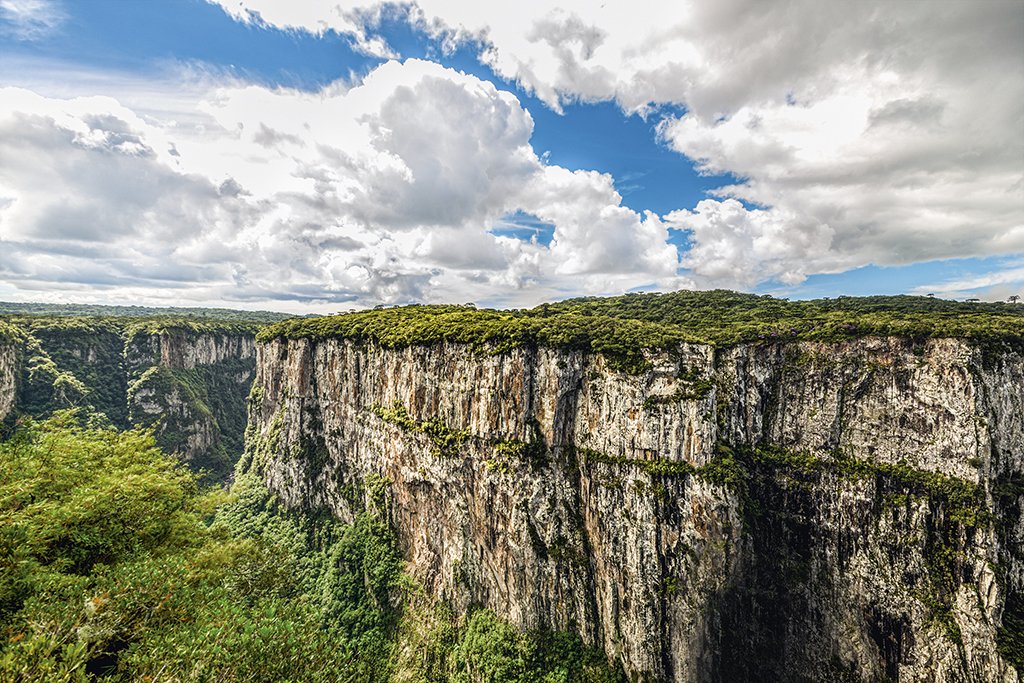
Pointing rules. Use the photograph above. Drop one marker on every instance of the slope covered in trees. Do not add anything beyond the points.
(116, 565)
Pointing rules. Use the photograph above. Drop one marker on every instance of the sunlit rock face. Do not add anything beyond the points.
(192, 388)
(798, 511)
(8, 376)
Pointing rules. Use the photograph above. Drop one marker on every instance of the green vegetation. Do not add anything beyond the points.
(445, 440)
(724, 317)
(694, 391)
(1010, 638)
(622, 342)
(622, 328)
(115, 565)
(168, 325)
(438, 647)
(183, 413)
(99, 311)
(88, 352)
(44, 387)
(509, 454)
(658, 467)
(100, 364)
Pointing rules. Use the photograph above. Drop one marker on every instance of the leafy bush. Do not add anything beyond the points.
(115, 564)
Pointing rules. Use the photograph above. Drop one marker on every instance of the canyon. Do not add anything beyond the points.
(839, 501)
(188, 381)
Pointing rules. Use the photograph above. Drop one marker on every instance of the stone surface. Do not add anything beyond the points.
(792, 576)
(8, 377)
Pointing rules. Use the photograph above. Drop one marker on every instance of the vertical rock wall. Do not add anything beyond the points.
(191, 386)
(8, 375)
(562, 494)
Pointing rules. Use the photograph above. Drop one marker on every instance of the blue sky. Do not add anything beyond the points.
(758, 228)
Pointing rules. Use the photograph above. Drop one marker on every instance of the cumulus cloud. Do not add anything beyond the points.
(858, 132)
(382, 191)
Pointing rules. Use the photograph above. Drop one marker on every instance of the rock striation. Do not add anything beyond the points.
(774, 511)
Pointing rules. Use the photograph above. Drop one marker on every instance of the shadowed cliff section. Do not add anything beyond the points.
(186, 378)
(815, 492)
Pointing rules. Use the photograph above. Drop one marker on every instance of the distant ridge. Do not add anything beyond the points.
(99, 310)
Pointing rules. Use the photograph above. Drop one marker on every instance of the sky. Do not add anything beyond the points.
(319, 156)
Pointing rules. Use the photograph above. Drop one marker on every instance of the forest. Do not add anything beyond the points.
(116, 564)
(622, 328)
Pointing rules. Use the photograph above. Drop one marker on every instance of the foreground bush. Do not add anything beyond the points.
(114, 564)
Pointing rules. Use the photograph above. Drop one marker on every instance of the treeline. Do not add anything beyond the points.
(103, 311)
(128, 327)
(725, 317)
(622, 327)
(116, 565)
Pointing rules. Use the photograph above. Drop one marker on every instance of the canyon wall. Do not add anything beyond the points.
(191, 387)
(778, 511)
(8, 370)
(189, 382)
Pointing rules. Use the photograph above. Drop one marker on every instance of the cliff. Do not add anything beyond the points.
(187, 379)
(8, 369)
(191, 386)
(802, 509)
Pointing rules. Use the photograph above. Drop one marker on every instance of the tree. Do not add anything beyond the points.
(1014, 298)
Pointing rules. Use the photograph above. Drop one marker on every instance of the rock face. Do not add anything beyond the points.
(192, 388)
(796, 511)
(8, 375)
(189, 385)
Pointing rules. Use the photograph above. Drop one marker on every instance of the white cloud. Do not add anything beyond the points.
(738, 246)
(30, 19)
(993, 286)
(315, 16)
(869, 132)
(380, 191)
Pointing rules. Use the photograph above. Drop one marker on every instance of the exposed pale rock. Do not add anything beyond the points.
(8, 377)
(799, 575)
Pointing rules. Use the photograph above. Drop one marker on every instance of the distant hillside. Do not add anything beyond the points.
(11, 308)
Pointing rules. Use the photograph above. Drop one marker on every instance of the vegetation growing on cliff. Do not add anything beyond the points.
(100, 364)
(621, 328)
(115, 565)
(621, 341)
(445, 441)
(725, 317)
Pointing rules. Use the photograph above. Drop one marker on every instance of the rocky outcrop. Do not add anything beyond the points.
(798, 511)
(183, 349)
